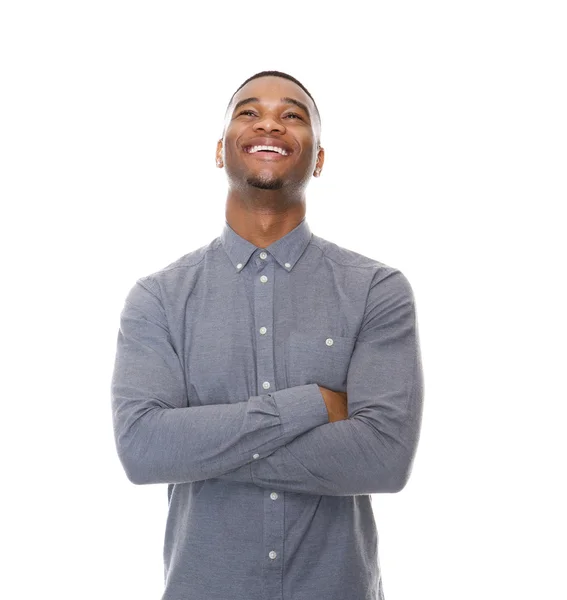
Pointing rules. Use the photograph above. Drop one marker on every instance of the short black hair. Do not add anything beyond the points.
(284, 76)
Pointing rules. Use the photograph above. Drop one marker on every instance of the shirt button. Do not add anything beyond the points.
(263, 330)
(329, 342)
(239, 266)
(263, 255)
(287, 265)
(273, 496)
(273, 554)
(263, 279)
(266, 385)
(256, 456)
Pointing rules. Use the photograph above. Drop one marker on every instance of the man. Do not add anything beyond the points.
(271, 378)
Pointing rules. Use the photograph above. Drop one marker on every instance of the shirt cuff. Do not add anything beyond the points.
(301, 408)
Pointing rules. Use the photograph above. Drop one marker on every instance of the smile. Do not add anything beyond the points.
(254, 149)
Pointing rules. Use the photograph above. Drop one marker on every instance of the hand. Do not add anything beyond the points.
(337, 404)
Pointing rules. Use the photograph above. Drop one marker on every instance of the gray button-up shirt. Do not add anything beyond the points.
(215, 392)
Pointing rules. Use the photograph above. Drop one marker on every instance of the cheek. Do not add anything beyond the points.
(309, 155)
(229, 150)
(231, 147)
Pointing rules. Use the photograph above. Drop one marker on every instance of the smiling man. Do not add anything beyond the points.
(270, 149)
(271, 378)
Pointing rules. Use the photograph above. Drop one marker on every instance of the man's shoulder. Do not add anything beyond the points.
(347, 257)
(383, 279)
(179, 267)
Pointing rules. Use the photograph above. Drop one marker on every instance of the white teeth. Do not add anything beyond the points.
(273, 148)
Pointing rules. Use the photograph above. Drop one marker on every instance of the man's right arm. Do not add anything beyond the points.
(159, 438)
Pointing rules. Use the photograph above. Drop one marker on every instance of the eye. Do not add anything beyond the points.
(251, 112)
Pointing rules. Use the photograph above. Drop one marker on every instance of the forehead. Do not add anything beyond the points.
(271, 89)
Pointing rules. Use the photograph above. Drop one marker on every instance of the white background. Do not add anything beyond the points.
(444, 125)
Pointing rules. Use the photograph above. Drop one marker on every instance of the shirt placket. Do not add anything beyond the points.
(264, 289)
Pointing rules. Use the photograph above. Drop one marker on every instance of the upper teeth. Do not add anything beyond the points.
(273, 148)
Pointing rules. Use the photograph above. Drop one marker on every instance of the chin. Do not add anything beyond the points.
(265, 184)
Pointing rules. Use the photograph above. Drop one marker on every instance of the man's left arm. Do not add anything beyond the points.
(373, 450)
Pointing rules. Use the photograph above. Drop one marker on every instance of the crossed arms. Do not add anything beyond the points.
(283, 440)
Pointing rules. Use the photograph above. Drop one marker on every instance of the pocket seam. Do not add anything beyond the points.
(314, 343)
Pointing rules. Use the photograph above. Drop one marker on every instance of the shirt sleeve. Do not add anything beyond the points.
(373, 450)
(159, 438)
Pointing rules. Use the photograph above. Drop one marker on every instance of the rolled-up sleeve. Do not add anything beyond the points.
(159, 438)
(373, 450)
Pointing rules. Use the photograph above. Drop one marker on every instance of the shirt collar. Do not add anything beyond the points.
(287, 250)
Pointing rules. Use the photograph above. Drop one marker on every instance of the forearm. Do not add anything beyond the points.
(359, 455)
(172, 445)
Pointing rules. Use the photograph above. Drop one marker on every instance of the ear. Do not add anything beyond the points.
(320, 161)
(219, 154)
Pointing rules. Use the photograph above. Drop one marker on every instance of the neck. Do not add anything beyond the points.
(263, 216)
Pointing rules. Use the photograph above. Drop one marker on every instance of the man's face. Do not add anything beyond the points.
(270, 116)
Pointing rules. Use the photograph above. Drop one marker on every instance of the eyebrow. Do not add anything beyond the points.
(285, 100)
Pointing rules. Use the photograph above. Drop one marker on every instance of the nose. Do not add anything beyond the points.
(268, 124)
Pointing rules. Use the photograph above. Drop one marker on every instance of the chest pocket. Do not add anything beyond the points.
(318, 358)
